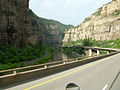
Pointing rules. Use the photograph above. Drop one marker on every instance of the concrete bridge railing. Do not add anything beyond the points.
(97, 49)
(26, 73)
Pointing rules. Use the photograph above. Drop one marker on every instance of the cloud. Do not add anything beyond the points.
(66, 11)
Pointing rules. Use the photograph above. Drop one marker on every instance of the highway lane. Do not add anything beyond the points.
(97, 75)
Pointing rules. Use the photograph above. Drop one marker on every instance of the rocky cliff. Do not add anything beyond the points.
(55, 31)
(19, 26)
(104, 24)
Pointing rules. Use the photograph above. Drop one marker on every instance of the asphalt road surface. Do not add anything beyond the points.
(97, 75)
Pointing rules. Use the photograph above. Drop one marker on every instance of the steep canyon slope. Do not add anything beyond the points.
(16, 24)
(19, 26)
(104, 24)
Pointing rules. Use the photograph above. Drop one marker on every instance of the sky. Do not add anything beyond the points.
(66, 11)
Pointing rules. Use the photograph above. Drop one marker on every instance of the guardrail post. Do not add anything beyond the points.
(86, 57)
(108, 52)
(76, 59)
(14, 72)
(98, 52)
(45, 66)
(64, 62)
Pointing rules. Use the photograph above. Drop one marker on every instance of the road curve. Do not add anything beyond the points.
(97, 75)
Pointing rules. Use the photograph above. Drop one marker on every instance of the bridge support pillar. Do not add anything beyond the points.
(90, 52)
(98, 52)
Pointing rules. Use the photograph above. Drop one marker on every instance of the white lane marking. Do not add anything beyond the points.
(105, 87)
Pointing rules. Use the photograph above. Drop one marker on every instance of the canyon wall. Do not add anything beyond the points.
(55, 31)
(19, 26)
(104, 24)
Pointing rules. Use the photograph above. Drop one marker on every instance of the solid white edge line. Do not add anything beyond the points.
(105, 87)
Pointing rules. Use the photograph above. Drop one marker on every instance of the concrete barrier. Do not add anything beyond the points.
(32, 74)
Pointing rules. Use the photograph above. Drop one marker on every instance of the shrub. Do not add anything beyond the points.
(87, 42)
(87, 19)
(10, 57)
(5, 67)
(22, 64)
(117, 12)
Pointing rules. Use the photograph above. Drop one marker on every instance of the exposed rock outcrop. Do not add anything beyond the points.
(52, 32)
(55, 31)
(104, 24)
(17, 26)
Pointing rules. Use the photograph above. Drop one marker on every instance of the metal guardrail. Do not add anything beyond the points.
(35, 71)
(43, 66)
(46, 65)
(39, 66)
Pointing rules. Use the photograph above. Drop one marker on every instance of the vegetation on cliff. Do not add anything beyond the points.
(71, 52)
(13, 58)
(55, 30)
(94, 43)
(98, 12)
(117, 12)
(61, 27)
(48, 22)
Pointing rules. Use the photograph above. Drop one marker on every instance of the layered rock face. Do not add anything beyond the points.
(35, 30)
(55, 31)
(104, 24)
(51, 32)
(17, 26)
(54, 35)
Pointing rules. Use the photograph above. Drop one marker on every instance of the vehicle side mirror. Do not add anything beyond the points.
(72, 86)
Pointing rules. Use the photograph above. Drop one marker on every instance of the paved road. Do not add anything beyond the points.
(97, 75)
